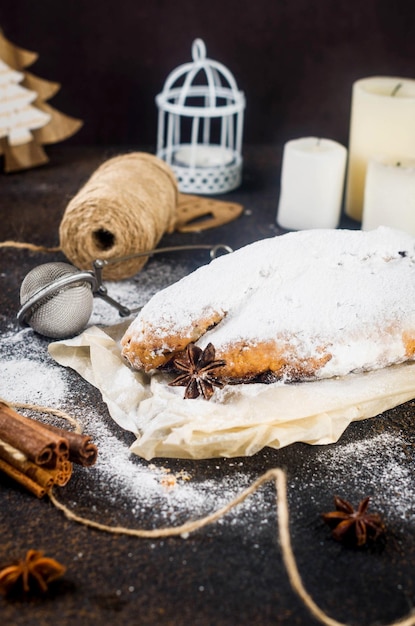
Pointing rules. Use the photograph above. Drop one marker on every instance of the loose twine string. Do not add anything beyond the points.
(275, 475)
(28, 246)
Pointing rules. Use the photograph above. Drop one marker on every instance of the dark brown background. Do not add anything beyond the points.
(296, 60)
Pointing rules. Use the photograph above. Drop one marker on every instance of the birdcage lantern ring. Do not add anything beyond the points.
(200, 125)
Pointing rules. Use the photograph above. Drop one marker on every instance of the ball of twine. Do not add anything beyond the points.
(125, 207)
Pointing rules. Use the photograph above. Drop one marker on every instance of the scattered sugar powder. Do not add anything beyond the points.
(378, 465)
(168, 497)
(25, 380)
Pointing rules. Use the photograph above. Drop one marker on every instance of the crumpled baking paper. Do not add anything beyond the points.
(239, 420)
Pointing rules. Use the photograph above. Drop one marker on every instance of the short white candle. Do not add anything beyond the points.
(389, 197)
(382, 125)
(312, 180)
(203, 156)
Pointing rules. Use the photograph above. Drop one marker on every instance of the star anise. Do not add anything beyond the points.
(34, 571)
(197, 367)
(354, 526)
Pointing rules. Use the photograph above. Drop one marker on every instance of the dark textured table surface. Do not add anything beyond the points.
(230, 572)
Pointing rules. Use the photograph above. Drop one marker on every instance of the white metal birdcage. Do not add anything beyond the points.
(200, 125)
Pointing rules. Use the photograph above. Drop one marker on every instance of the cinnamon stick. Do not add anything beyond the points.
(22, 479)
(20, 462)
(45, 478)
(81, 448)
(39, 455)
(62, 473)
(40, 446)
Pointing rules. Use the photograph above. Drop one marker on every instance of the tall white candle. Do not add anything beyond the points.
(312, 180)
(382, 125)
(389, 197)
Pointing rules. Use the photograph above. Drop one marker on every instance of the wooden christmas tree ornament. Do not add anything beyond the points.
(27, 122)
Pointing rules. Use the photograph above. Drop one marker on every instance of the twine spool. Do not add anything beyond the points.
(125, 207)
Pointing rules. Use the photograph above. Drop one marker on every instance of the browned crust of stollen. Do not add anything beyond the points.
(245, 362)
(408, 339)
(155, 347)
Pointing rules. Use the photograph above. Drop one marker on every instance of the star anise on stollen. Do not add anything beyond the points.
(34, 572)
(197, 367)
(354, 526)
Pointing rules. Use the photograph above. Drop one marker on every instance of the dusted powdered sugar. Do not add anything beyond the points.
(349, 292)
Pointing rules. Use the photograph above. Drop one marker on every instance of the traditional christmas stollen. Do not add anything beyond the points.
(239, 420)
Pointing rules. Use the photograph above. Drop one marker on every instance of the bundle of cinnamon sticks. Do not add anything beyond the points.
(39, 455)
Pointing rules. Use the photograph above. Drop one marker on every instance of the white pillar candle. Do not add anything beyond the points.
(382, 125)
(312, 180)
(389, 196)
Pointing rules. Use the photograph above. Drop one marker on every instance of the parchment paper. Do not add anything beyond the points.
(239, 420)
